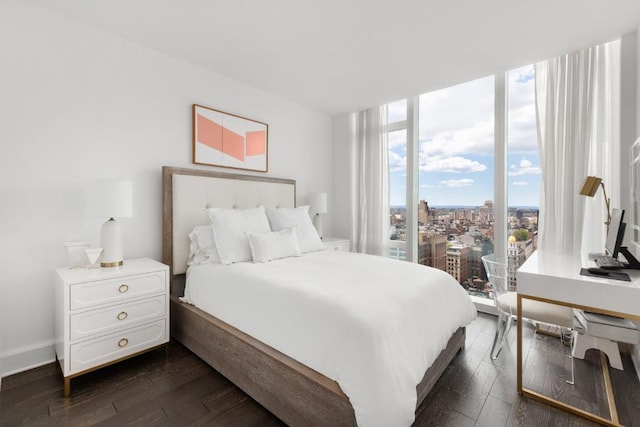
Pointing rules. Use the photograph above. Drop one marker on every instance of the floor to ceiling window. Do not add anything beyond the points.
(523, 173)
(454, 152)
(397, 137)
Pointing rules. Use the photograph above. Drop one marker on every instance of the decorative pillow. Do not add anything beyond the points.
(274, 245)
(281, 218)
(230, 228)
(202, 249)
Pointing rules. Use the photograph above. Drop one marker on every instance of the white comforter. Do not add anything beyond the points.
(370, 323)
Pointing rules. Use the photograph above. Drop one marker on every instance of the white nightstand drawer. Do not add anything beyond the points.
(100, 292)
(95, 352)
(103, 320)
(336, 244)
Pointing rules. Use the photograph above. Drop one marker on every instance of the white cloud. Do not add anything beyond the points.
(398, 140)
(465, 182)
(397, 163)
(455, 164)
(520, 183)
(523, 137)
(525, 167)
(476, 138)
(427, 186)
(458, 120)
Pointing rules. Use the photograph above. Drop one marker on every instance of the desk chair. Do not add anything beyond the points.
(506, 302)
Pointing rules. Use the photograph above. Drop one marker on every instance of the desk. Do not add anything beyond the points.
(556, 279)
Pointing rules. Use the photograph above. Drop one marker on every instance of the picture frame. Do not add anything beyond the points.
(228, 140)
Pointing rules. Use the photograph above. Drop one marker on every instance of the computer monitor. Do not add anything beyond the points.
(615, 233)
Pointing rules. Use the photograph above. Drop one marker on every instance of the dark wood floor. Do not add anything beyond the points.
(183, 391)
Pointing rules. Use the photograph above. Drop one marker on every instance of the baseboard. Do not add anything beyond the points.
(23, 359)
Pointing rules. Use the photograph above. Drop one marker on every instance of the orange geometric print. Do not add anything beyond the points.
(209, 133)
(256, 143)
(232, 144)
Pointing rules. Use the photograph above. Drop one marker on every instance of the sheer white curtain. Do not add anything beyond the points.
(577, 136)
(370, 182)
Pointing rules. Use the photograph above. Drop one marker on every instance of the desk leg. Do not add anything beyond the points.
(613, 411)
(519, 368)
(556, 403)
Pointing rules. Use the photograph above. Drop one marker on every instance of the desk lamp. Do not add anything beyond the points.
(110, 198)
(590, 187)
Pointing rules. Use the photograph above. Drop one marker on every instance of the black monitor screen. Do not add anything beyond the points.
(616, 232)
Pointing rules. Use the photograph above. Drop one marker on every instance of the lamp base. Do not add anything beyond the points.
(111, 241)
(317, 223)
(111, 264)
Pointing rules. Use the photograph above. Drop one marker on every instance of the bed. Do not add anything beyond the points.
(291, 390)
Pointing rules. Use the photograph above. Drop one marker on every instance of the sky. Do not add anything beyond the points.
(456, 144)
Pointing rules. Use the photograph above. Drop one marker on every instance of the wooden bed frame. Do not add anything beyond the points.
(293, 392)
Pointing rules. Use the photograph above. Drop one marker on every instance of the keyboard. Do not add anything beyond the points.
(606, 261)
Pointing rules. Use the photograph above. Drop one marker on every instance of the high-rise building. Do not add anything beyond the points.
(475, 262)
(486, 211)
(432, 250)
(515, 257)
(458, 262)
(426, 215)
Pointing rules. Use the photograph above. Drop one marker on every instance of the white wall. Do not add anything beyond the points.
(341, 193)
(76, 104)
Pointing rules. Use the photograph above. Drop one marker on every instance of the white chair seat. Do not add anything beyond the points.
(536, 310)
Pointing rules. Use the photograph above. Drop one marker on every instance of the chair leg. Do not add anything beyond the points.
(573, 345)
(498, 341)
(510, 322)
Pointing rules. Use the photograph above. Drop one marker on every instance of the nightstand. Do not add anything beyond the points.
(105, 315)
(336, 244)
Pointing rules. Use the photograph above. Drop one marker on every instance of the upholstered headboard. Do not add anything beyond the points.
(187, 192)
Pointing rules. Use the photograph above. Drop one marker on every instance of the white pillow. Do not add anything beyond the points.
(202, 249)
(230, 228)
(274, 245)
(281, 218)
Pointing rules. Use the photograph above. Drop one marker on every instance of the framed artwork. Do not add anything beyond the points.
(227, 140)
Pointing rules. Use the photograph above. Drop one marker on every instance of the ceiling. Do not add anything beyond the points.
(339, 56)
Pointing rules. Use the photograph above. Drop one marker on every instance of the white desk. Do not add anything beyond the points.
(556, 279)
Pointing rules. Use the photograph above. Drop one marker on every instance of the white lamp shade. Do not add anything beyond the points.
(109, 198)
(318, 203)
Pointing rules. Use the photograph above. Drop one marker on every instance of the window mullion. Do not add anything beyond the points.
(412, 179)
(500, 165)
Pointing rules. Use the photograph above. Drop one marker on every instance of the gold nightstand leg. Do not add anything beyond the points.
(67, 386)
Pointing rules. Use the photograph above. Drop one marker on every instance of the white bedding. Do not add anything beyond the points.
(372, 324)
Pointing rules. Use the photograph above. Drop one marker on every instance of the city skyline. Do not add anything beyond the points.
(465, 206)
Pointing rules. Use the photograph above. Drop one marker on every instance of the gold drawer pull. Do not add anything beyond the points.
(123, 342)
(122, 315)
(123, 288)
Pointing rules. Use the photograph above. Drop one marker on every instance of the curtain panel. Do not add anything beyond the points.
(577, 98)
(370, 181)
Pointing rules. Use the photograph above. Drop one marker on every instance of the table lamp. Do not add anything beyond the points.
(589, 189)
(317, 206)
(110, 198)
